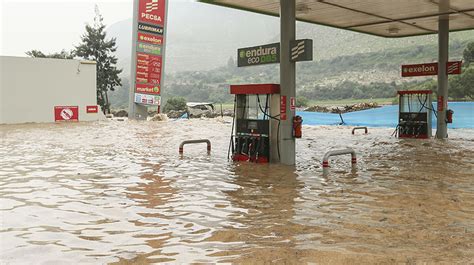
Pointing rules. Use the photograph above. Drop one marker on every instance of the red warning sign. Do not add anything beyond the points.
(92, 109)
(292, 103)
(440, 103)
(66, 113)
(283, 108)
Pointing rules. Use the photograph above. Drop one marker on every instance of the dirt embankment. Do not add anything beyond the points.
(344, 109)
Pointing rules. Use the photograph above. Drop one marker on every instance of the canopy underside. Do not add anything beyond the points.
(386, 18)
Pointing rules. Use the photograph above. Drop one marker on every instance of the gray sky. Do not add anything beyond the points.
(53, 25)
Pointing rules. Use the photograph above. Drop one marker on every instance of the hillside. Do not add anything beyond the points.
(202, 43)
(203, 37)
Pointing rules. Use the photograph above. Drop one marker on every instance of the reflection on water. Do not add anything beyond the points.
(115, 192)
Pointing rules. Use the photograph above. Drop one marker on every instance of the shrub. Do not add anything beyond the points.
(175, 103)
(302, 102)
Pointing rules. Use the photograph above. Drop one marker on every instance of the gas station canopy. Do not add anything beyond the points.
(386, 18)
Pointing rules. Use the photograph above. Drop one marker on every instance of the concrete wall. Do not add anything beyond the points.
(30, 88)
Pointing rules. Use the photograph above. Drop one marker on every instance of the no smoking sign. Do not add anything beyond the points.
(66, 113)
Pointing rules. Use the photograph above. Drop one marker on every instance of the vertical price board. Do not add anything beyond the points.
(149, 49)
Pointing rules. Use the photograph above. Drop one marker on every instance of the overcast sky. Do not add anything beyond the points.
(53, 25)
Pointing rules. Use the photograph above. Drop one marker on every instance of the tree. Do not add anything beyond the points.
(469, 53)
(95, 47)
(462, 86)
(175, 103)
(57, 55)
(302, 101)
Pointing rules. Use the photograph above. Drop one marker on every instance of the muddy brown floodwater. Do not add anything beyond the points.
(118, 192)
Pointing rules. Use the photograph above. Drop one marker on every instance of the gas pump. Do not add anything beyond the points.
(414, 118)
(256, 123)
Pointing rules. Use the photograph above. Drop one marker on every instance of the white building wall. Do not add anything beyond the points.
(30, 88)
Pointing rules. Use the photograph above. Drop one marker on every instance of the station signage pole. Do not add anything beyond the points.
(148, 51)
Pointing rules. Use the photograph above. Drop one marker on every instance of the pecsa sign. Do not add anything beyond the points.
(151, 11)
(427, 69)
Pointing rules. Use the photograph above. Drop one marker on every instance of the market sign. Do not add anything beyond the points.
(427, 69)
(148, 89)
(149, 48)
(66, 113)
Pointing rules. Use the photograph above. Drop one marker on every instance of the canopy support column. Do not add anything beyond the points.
(443, 45)
(287, 80)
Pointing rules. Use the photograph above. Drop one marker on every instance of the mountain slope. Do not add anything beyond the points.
(203, 37)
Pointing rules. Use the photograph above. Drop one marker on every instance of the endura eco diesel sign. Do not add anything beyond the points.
(258, 55)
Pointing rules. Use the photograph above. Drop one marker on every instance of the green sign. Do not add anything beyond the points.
(258, 55)
(148, 48)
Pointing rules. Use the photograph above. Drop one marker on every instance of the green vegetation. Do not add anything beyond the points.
(341, 79)
(175, 103)
(95, 47)
(469, 54)
(57, 55)
(341, 102)
(213, 85)
(461, 87)
(302, 101)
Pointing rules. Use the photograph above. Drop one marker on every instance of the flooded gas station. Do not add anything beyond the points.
(127, 192)
(128, 197)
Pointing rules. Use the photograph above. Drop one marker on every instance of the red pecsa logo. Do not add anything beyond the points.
(152, 11)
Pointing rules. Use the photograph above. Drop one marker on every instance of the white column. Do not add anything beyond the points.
(287, 79)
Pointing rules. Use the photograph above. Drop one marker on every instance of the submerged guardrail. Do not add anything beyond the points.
(360, 128)
(336, 153)
(206, 141)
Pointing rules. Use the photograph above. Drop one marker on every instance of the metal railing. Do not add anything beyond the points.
(360, 128)
(181, 146)
(336, 153)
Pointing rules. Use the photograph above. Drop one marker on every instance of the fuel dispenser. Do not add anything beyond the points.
(256, 123)
(414, 118)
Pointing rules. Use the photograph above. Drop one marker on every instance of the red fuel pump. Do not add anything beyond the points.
(414, 117)
(297, 122)
(256, 118)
